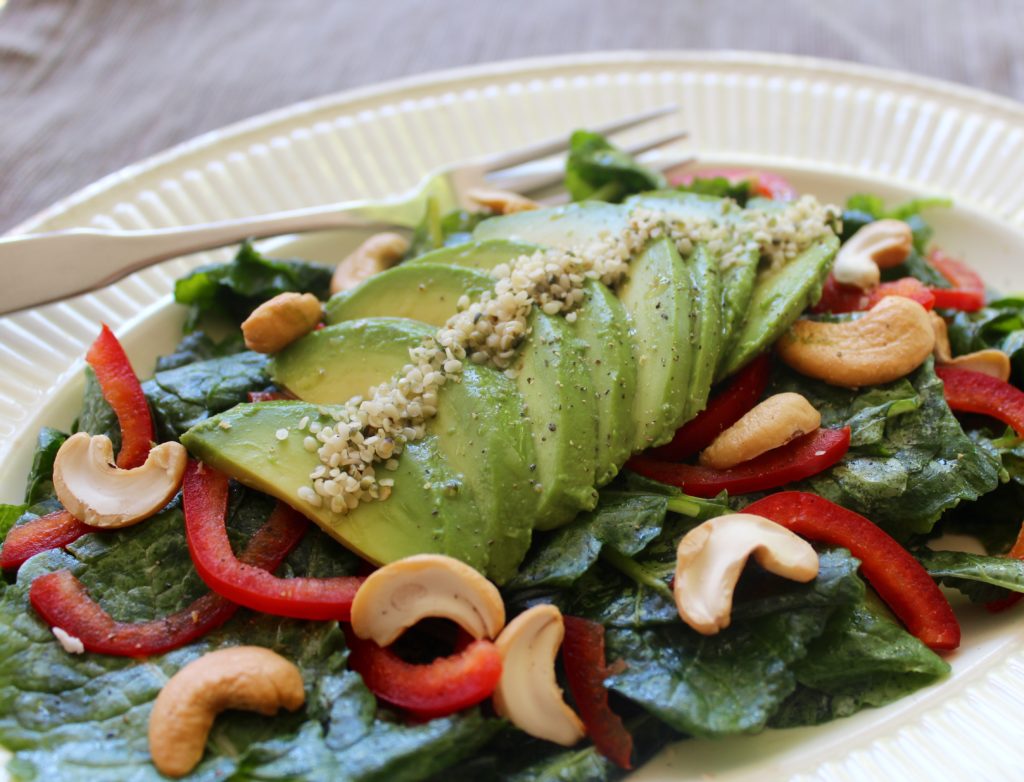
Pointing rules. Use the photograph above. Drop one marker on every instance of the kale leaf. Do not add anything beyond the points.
(236, 288)
(862, 659)
(184, 396)
(734, 681)
(39, 485)
(597, 170)
(999, 325)
(909, 458)
(980, 577)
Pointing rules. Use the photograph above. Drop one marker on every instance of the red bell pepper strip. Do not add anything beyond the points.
(763, 183)
(62, 601)
(839, 298)
(205, 497)
(899, 579)
(1016, 552)
(585, 670)
(803, 457)
(976, 392)
(122, 390)
(968, 291)
(54, 530)
(436, 689)
(269, 396)
(724, 409)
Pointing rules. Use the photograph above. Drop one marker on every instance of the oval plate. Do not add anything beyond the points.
(833, 128)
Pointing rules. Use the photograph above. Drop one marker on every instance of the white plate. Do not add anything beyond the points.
(833, 128)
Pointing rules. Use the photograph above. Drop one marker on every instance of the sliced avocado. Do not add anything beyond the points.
(737, 278)
(552, 376)
(425, 292)
(603, 326)
(477, 255)
(658, 298)
(780, 295)
(706, 334)
(341, 361)
(426, 512)
(565, 227)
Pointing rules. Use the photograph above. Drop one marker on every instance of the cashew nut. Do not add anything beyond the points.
(242, 677)
(877, 245)
(400, 594)
(892, 339)
(95, 491)
(772, 423)
(379, 252)
(711, 557)
(942, 350)
(277, 323)
(504, 202)
(528, 694)
(989, 362)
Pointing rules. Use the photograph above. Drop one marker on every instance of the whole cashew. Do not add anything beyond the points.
(379, 252)
(877, 245)
(277, 323)
(989, 361)
(887, 343)
(711, 557)
(504, 202)
(242, 677)
(772, 423)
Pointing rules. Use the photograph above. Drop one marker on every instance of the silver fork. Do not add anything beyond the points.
(41, 268)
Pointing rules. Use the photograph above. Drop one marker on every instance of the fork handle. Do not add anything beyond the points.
(41, 268)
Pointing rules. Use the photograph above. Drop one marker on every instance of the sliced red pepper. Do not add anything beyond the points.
(803, 457)
(439, 688)
(763, 183)
(62, 601)
(269, 396)
(899, 579)
(968, 291)
(205, 497)
(122, 390)
(54, 530)
(908, 288)
(1017, 552)
(976, 392)
(585, 670)
(724, 409)
(839, 298)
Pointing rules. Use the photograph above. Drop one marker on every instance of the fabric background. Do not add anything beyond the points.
(88, 86)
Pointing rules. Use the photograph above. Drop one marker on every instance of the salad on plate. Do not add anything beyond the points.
(527, 495)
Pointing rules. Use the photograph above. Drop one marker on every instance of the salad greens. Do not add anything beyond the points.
(794, 654)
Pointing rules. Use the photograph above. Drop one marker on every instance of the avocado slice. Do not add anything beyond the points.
(424, 291)
(338, 362)
(564, 227)
(552, 377)
(706, 331)
(602, 325)
(477, 255)
(659, 301)
(780, 295)
(426, 512)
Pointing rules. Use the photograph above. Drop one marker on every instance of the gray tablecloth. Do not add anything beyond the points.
(87, 86)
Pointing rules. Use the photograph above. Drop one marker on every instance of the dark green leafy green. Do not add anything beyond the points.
(994, 519)
(999, 325)
(9, 514)
(182, 397)
(39, 485)
(624, 521)
(97, 417)
(909, 459)
(720, 187)
(595, 169)
(198, 346)
(734, 681)
(862, 659)
(981, 578)
(236, 288)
